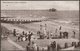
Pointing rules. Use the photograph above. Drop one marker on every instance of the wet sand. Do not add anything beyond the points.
(6, 46)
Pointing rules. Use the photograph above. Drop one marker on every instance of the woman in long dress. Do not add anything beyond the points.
(24, 38)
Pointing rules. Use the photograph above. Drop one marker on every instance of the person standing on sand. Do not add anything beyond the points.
(40, 27)
(14, 32)
(29, 36)
(18, 38)
(65, 34)
(23, 32)
(61, 34)
(56, 31)
(60, 28)
(74, 34)
(26, 34)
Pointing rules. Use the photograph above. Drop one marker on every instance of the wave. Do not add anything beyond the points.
(63, 21)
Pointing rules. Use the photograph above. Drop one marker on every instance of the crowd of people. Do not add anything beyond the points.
(54, 36)
(27, 35)
(23, 36)
(57, 35)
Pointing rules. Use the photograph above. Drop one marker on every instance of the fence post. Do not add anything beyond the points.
(42, 49)
(74, 44)
(37, 48)
(33, 49)
(58, 47)
(79, 44)
(66, 45)
(27, 48)
(48, 48)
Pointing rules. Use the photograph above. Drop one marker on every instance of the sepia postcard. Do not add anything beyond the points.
(40, 26)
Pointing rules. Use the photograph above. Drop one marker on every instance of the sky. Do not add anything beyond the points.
(39, 5)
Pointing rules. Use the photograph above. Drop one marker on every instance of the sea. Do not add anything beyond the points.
(68, 16)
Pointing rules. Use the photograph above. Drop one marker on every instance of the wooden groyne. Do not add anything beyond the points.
(20, 20)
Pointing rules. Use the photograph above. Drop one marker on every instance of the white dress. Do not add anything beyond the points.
(24, 38)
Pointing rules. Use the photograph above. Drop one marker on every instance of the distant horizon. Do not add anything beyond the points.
(39, 5)
(39, 10)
